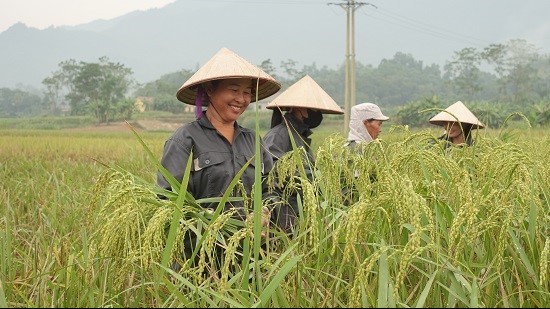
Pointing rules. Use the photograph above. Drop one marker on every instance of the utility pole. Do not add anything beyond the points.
(349, 89)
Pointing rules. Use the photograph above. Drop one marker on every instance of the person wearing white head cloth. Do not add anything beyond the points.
(365, 123)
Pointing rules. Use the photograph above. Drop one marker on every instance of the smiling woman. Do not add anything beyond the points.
(218, 147)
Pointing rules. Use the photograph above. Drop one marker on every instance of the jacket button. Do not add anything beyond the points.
(207, 161)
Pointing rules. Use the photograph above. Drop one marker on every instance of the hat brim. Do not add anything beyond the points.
(266, 88)
(443, 123)
(383, 118)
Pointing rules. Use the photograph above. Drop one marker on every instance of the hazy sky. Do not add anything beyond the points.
(429, 30)
(447, 22)
(44, 13)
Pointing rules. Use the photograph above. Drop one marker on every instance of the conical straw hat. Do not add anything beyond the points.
(457, 111)
(306, 93)
(226, 64)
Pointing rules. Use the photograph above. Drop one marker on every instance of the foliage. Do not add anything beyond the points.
(91, 88)
(17, 103)
(541, 114)
(463, 227)
(463, 73)
(269, 68)
(416, 114)
(166, 85)
(499, 74)
(293, 74)
(403, 79)
(515, 64)
(167, 103)
(491, 115)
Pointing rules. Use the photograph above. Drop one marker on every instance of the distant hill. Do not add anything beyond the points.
(180, 35)
(186, 33)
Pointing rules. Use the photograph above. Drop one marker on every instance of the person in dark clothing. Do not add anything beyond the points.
(305, 102)
(459, 122)
(278, 138)
(220, 147)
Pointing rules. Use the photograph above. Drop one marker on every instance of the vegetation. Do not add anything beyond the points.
(17, 103)
(403, 223)
(494, 81)
(97, 89)
(46, 123)
(81, 226)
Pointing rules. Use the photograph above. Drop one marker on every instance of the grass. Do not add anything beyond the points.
(466, 228)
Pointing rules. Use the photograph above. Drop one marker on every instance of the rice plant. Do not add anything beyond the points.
(403, 222)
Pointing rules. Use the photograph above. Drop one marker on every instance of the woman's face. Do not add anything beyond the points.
(374, 127)
(230, 97)
(453, 129)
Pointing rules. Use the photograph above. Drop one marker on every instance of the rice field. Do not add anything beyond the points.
(405, 223)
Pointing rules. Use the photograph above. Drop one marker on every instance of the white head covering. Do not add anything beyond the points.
(359, 113)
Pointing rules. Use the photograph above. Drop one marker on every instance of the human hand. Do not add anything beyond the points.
(266, 216)
(265, 219)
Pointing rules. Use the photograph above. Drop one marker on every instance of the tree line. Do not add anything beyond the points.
(495, 81)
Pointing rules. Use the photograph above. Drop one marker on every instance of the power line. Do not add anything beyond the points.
(384, 15)
(427, 29)
(390, 17)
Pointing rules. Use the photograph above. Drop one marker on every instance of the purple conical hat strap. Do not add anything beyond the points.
(198, 102)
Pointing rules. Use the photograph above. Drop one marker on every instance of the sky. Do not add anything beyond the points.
(42, 14)
(450, 23)
(311, 31)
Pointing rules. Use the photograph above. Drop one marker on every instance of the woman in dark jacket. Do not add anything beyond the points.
(220, 147)
(305, 102)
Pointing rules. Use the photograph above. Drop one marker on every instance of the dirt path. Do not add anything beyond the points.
(111, 127)
(141, 125)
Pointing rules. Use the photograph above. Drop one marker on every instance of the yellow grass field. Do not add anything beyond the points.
(469, 228)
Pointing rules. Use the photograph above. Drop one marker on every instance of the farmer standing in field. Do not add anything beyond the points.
(219, 146)
(305, 102)
(365, 123)
(458, 122)
(366, 120)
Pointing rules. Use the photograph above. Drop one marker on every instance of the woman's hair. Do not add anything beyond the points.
(209, 85)
(276, 117)
(467, 131)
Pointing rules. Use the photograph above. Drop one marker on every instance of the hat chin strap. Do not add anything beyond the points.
(215, 115)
